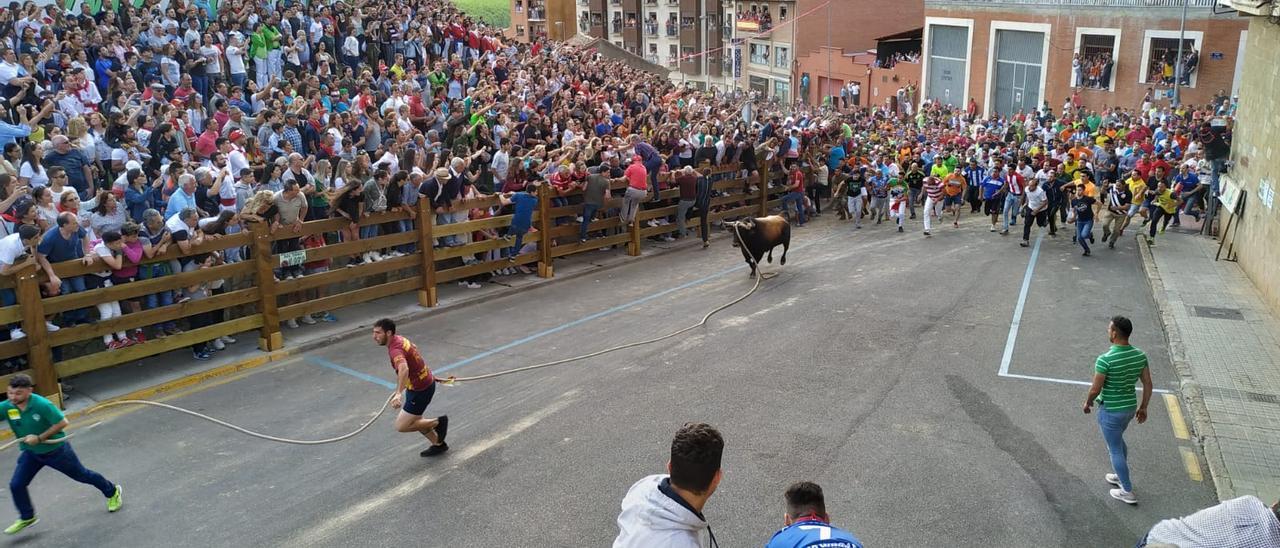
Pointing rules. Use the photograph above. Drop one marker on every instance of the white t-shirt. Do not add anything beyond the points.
(1036, 198)
(178, 228)
(10, 249)
(37, 179)
(102, 250)
(235, 60)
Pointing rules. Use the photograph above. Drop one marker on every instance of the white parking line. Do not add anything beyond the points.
(1012, 339)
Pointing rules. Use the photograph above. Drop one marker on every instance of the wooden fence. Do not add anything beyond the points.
(253, 299)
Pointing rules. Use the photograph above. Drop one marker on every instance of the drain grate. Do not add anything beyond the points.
(1217, 313)
(1262, 398)
(1239, 395)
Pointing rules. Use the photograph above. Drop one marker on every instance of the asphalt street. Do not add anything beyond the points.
(868, 365)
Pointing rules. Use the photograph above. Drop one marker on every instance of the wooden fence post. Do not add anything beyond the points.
(764, 188)
(426, 246)
(544, 231)
(633, 244)
(39, 352)
(269, 337)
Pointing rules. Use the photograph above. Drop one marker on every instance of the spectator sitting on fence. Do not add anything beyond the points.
(348, 203)
(524, 204)
(110, 252)
(374, 196)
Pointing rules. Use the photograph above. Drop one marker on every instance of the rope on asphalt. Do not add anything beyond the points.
(760, 276)
(222, 423)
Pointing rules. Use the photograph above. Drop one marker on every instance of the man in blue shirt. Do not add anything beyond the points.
(78, 167)
(1187, 185)
(65, 242)
(522, 218)
(807, 522)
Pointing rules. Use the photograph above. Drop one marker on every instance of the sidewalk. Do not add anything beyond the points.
(1225, 344)
(165, 372)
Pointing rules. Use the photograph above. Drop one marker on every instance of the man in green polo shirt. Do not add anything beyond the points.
(1114, 374)
(35, 421)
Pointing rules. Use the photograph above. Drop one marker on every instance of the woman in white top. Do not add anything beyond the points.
(32, 172)
(46, 212)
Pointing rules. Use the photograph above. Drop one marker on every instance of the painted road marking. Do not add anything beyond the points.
(1017, 310)
(1012, 339)
(1175, 417)
(319, 534)
(1191, 463)
(1064, 381)
(343, 369)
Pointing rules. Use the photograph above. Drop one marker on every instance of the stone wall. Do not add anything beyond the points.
(1256, 153)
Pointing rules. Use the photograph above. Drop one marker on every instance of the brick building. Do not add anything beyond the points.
(1011, 55)
(666, 32)
(532, 19)
(880, 72)
(775, 33)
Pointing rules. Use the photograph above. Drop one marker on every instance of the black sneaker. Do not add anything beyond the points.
(442, 429)
(899, 229)
(434, 450)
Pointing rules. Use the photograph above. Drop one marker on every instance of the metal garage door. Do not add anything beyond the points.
(1018, 68)
(948, 64)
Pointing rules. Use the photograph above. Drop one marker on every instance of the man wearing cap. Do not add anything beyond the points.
(38, 425)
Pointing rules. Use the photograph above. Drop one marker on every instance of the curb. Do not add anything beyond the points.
(1189, 390)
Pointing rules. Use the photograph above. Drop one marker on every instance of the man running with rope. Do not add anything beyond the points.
(415, 385)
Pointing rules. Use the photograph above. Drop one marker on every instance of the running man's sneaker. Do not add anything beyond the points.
(21, 524)
(434, 450)
(116, 501)
(442, 429)
(926, 233)
(1113, 479)
(1024, 243)
(1126, 497)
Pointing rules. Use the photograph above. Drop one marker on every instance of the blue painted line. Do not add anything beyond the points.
(584, 319)
(341, 369)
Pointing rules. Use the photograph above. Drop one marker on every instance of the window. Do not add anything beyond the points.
(519, 30)
(781, 59)
(672, 29)
(686, 55)
(782, 13)
(653, 49)
(687, 22)
(782, 90)
(1163, 62)
(1095, 60)
(759, 54)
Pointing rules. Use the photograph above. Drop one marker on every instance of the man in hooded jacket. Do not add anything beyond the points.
(666, 509)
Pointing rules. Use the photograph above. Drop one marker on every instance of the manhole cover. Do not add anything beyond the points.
(1218, 313)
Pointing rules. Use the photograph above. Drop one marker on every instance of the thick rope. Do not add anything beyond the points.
(760, 276)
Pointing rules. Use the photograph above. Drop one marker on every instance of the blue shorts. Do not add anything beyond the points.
(956, 200)
(416, 401)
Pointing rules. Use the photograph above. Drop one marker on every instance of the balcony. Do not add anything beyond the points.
(672, 30)
(651, 29)
(1079, 3)
(537, 14)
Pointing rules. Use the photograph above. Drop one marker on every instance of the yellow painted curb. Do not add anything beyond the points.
(184, 382)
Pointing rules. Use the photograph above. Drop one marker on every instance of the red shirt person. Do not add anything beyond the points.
(415, 385)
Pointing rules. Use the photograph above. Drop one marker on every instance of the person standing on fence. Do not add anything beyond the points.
(35, 420)
(291, 208)
(415, 386)
(524, 204)
(593, 198)
(1114, 375)
(637, 176)
(65, 242)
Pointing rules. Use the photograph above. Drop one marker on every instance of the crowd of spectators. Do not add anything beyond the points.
(169, 126)
(1092, 71)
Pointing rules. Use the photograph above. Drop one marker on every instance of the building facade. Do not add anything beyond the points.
(1255, 149)
(537, 19)
(1012, 55)
(691, 37)
(774, 33)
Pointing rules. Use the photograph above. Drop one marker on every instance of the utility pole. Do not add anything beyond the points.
(826, 90)
(1177, 63)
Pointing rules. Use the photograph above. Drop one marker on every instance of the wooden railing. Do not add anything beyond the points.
(252, 296)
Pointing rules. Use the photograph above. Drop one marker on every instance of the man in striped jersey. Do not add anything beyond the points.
(1114, 375)
(933, 201)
